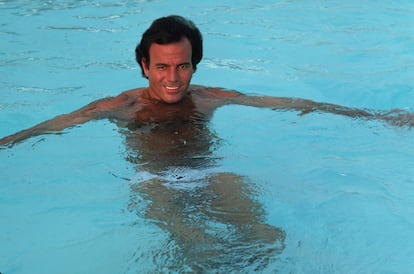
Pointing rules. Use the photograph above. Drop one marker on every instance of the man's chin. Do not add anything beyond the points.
(173, 98)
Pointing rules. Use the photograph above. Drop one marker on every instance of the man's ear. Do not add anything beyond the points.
(145, 66)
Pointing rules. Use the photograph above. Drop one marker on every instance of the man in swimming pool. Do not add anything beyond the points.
(164, 128)
(168, 55)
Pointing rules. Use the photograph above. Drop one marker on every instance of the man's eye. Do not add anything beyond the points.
(161, 67)
(185, 67)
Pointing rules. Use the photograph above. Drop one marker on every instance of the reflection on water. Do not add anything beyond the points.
(212, 217)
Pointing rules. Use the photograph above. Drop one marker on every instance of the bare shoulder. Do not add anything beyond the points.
(124, 99)
(133, 93)
(207, 99)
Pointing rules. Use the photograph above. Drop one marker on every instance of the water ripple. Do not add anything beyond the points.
(233, 64)
(60, 90)
(84, 29)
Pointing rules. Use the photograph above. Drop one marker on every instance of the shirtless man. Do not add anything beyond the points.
(168, 55)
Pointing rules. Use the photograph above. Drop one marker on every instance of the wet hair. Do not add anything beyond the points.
(166, 30)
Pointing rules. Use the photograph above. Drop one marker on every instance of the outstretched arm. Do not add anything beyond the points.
(395, 117)
(96, 110)
(303, 106)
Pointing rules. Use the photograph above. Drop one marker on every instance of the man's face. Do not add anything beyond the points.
(170, 70)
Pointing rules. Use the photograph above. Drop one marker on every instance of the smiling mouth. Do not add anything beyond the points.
(172, 89)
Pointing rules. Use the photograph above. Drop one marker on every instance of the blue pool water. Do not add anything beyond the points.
(338, 193)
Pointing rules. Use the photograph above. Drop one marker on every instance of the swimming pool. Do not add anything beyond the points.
(338, 193)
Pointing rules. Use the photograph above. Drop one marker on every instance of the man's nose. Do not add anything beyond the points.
(172, 75)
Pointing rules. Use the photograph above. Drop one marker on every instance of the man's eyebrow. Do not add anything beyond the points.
(180, 64)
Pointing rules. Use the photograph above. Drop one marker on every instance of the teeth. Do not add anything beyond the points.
(171, 88)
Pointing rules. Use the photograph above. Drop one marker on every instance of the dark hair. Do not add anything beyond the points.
(166, 30)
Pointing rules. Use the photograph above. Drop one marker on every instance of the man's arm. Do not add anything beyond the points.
(96, 110)
(303, 106)
(395, 117)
